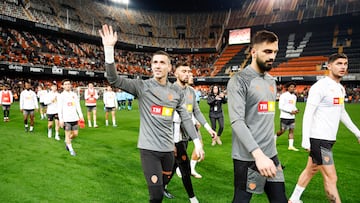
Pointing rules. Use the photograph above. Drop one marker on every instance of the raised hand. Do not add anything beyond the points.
(108, 36)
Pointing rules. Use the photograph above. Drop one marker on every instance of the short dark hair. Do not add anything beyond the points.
(263, 36)
(160, 52)
(287, 85)
(181, 63)
(65, 80)
(335, 56)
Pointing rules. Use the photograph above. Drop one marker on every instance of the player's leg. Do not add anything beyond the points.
(328, 172)
(25, 117)
(4, 112)
(213, 126)
(221, 129)
(194, 160)
(155, 165)
(304, 179)
(106, 117)
(88, 114)
(94, 117)
(282, 128)
(240, 182)
(50, 124)
(71, 131)
(184, 165)
(275, 187)
(32, 121)
(57, 127)
(113, 117)
(312, 167)
(291, 127)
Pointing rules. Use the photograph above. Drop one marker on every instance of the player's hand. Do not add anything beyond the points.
(108, 36)
(198, 125)
(200, 153)
(359, 141)
(213, 134)
(61, 124)
(264, 164)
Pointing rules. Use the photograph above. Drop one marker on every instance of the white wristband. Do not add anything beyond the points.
(197, 143)
(109, 54)
(207, 127)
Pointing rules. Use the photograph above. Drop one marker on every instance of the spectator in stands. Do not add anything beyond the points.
(51, 101)
(216, 99)
(28, 104)
(91, 96)
(157, 103)
(70, 114)
(41, 94)
(111, 104)
(6, 99)
(252, 96)
(288, 110)
(324, 110)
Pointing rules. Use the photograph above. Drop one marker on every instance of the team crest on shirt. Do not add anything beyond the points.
(271, 88)
(170, 97)
(161, 110)
(266, 107)
(338, 100)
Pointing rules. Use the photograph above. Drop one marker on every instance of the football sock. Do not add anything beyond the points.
(297, 192)
(291, 142)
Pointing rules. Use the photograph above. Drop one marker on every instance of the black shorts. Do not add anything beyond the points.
(91, 108)
(321, 151)
(287, 123)
(71, 126)
(51, 117)
(248, 178)
(28, 112)
(109, 109)
(6, 106)
(42, 105)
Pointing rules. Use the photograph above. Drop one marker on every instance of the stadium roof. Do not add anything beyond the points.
(183, 5)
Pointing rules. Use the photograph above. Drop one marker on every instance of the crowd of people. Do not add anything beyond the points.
(39, 49)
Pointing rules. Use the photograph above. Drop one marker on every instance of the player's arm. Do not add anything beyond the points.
(35, 101)
(201, 119)
(78, 108)
(314, 98)
(11, 97)
(96, 96)
(21, 105)
(346, 120)
(86, 95)
(60, 110)
(109, 39)
(190, 128)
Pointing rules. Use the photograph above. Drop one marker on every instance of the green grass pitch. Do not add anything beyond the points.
(34, 168)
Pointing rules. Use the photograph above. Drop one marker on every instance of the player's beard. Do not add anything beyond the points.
(263, 66)
(184, 81)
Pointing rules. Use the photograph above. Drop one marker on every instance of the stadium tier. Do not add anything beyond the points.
(55, 38)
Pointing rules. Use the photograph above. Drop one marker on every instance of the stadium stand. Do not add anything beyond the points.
(309, 31)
